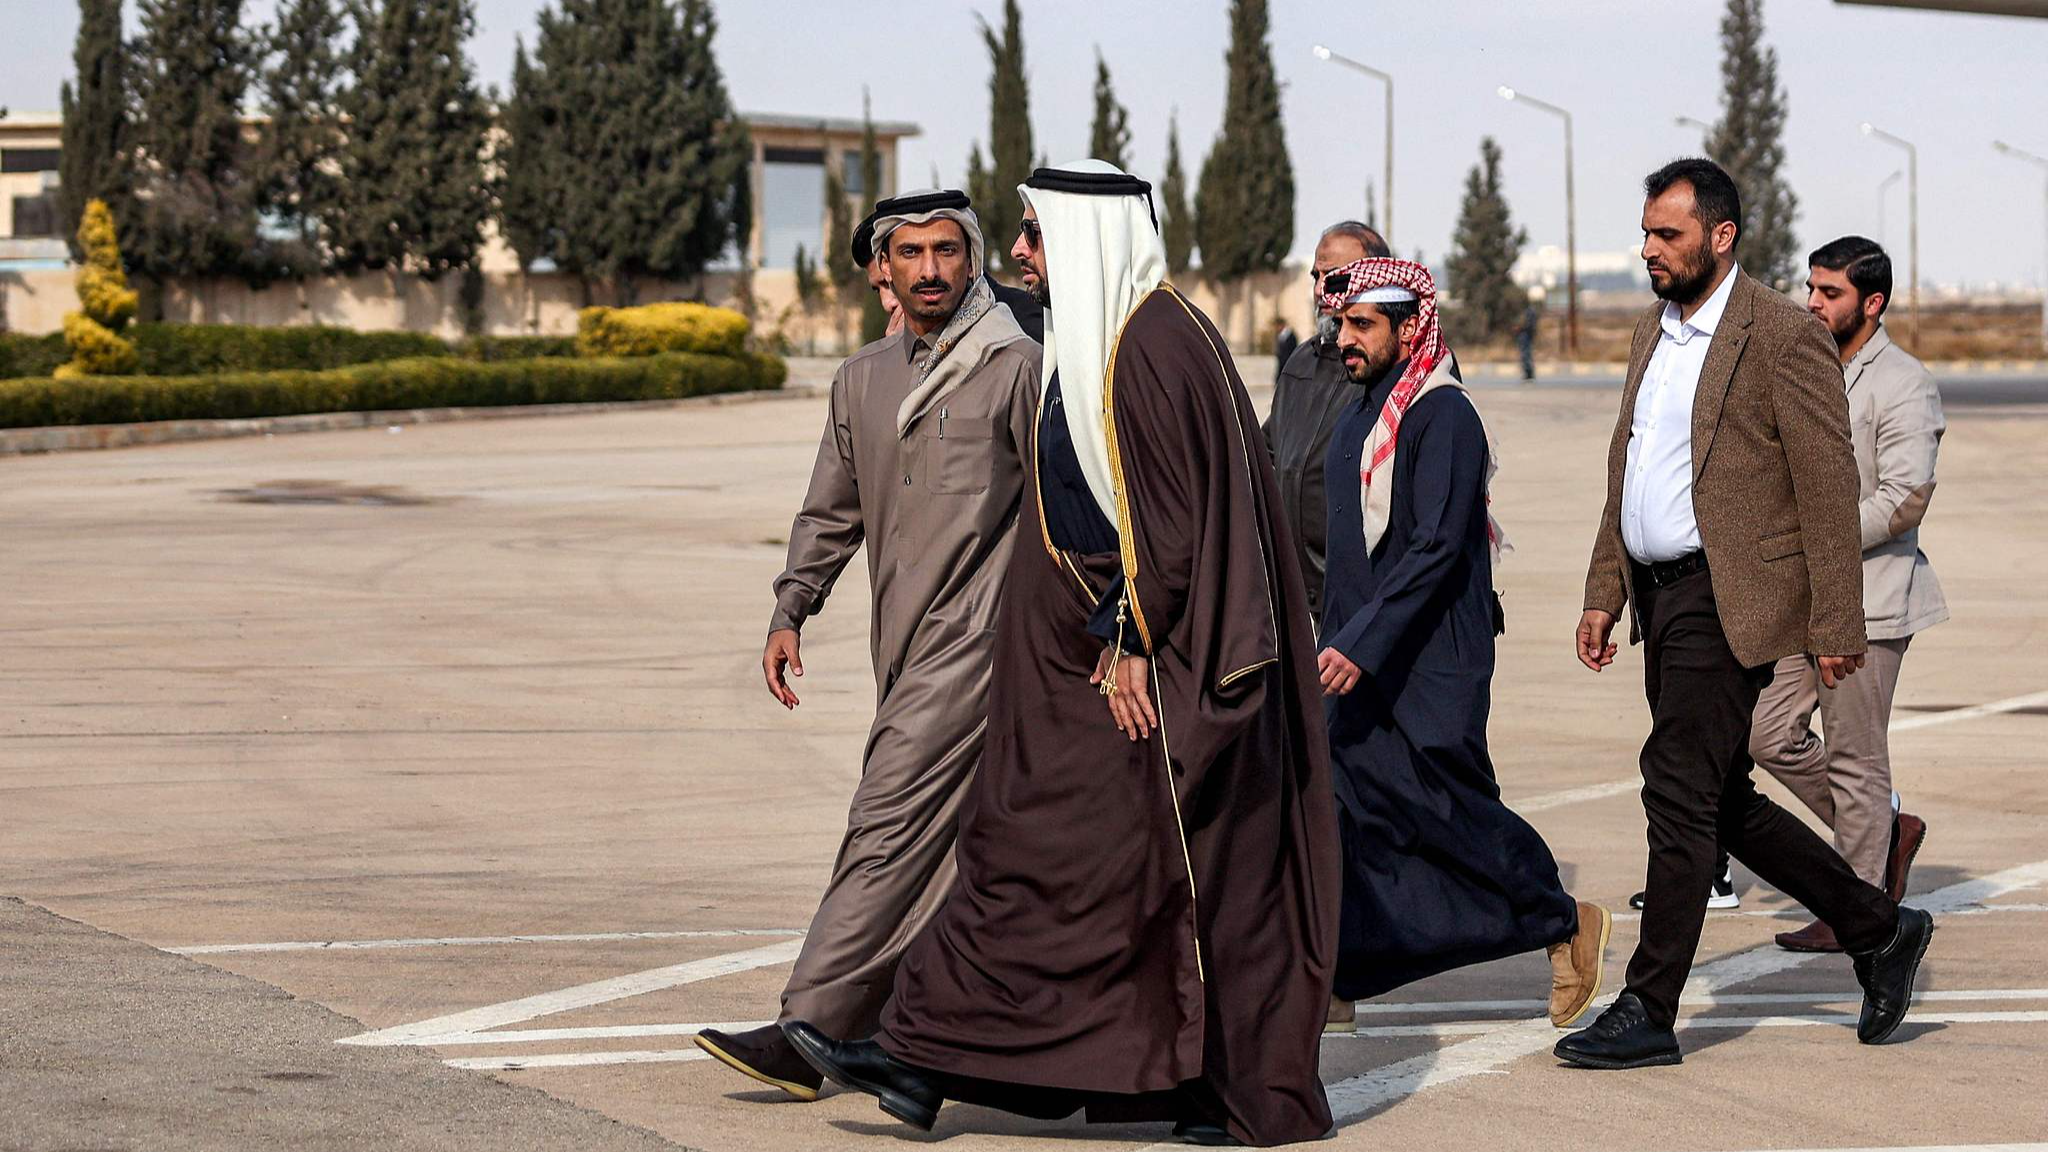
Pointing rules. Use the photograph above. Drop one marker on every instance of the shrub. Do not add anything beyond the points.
(202, 349)
(106, 303)
(426, 382)
(22, 355)
(515, 347)
(648, 329)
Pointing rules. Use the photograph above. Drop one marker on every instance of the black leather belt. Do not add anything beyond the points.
(1665, 573)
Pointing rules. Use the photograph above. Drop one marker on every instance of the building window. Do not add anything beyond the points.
(792, 205)
(35, 216)
(850, 173)
(28, 159)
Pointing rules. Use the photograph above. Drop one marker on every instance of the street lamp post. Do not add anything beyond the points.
(1884, 188)
(1323, 53)
(1571, 218)
(1705, 129)
(2042, 162)
(1912, 215)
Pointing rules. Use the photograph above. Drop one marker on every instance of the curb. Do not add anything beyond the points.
(89, 437)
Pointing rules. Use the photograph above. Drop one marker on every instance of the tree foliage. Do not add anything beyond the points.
(1009, 137)
(195, 206)
(1484, 249)
(93, 162)
(1109, 138)
(1244, 203)
(106, 304)
(298, 164)
(1749, 141)
(1176, 219)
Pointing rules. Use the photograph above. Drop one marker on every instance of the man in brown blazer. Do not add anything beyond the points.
(1730, 530)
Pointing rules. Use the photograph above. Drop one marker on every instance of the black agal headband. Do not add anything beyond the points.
(864, 235)
(1094, 184)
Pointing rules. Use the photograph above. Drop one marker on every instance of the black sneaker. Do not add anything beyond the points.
(1720, 894)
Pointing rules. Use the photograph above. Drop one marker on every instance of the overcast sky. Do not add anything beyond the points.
(1625, 68)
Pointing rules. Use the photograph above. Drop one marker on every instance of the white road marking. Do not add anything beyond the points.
(1590, 792)
(1929, 720)
(1715, 1000)
(575, 1059)
(1481, 1027)
(1503, 1043)
(457, 941)
(1577, 795)
(582, 995)
(602, 1032)
(1803, 914)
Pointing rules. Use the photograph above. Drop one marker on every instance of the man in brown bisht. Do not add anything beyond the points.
(1145, 918)
(923, 459)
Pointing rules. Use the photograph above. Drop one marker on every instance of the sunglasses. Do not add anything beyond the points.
(1032, 235)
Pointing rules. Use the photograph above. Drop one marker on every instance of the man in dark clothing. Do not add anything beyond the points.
(1438, 873)
(1029, 316)
(1309, 393)
(1284, 344)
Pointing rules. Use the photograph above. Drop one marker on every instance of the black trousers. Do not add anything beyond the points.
(1697, 791)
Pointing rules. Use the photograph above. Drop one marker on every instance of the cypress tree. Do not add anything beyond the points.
(1483, 252)
(195, 198)
(1244, 202)
(1176, 221)
(93, 163)
(840, 272)
(536, 193)
(981, 188)
(1110, 137)
(873, 320)
(1009, 112)
(295, 179)
(717, 160)
(1749, 141)
(416, 196)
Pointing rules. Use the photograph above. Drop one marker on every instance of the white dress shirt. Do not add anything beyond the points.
(1657, 520)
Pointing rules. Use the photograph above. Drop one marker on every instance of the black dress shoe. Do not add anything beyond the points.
(1206, 1134)
(1623, 1037)
(905, 1092)
(1887, 976)
(766, 1055)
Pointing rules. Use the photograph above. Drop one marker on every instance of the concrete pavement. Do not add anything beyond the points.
(488, 770)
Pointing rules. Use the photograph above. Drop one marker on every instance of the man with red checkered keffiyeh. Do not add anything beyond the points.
(1438, 873)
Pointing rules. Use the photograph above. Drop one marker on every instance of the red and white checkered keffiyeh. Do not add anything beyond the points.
(1428, 368)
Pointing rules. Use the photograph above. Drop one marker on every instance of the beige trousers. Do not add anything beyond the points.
(1846, 777)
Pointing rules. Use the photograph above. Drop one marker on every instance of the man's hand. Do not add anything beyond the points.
(1835, 669)
(781, 650)
(1595, 627)
(1339, 675)
(1131, 704)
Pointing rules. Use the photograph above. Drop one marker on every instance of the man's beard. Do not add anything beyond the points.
(1363, 369)
(1326, 327)
(1851, 325)
(1040, 291)
(1689, 282)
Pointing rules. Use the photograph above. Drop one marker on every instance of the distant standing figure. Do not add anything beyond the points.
(1525, 338)
(1284, 344)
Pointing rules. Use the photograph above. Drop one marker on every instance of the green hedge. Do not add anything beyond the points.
(207, 349)
(515, 347)
(22, 355)
(427, 382)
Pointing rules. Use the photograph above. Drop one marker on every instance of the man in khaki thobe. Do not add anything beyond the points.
(1895, 425)
(923, 460)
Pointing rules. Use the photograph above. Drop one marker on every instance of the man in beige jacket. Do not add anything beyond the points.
(1895, 426)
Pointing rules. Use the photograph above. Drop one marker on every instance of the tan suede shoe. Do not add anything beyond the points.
(1343, 1016)
(1576, 964)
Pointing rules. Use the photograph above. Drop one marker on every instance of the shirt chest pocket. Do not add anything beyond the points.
(959, 454)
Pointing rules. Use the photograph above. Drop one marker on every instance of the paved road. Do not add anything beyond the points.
(459, 751)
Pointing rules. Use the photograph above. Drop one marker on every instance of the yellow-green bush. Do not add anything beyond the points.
(106, 302)
(647, 329)
(425, 382)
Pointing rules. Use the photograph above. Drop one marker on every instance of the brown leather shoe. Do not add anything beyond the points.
(1576, 965)
(1343, 1016)
(1815, 937)
(766, 1055)
(1908, 833)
